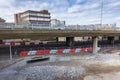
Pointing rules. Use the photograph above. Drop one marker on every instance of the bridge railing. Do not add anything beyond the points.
(33, 27)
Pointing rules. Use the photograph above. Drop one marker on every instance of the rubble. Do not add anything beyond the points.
(61, 67)
(52, 72)
(100, 57)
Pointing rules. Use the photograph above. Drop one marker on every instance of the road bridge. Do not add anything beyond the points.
(69, 34)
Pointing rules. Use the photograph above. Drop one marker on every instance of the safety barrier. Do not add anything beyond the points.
(20, 43)
(55, 51)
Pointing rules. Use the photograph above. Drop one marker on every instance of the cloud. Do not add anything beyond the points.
(118, 18)
(79, 8)
(79, 1)
(113, 3)
(6, 3)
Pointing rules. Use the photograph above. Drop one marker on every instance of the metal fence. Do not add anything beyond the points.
(69, 27)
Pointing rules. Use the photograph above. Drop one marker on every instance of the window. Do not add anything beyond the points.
(27, 18)
(33, 18)
(25, 14)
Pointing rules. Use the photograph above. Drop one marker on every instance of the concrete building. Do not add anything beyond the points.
(93, 27)
(4, 24)
(57, 24)
(7, 25)
(35, 18)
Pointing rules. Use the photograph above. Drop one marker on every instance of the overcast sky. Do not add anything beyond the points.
(72, 11)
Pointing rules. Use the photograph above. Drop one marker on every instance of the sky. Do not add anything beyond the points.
(74, 12)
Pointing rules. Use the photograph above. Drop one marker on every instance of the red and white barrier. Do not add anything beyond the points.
(55, 51)
(21, 43)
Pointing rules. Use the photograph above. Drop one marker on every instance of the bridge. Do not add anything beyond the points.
(69, 34)
(40, 33)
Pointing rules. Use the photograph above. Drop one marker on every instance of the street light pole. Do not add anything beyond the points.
(101, 20)
(113, 44)
(10, 54)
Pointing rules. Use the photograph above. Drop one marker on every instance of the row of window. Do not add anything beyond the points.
(34, 18)
(40, 23)
(35, 14)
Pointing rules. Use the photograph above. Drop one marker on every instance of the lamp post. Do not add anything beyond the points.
(101, 20)
(113, 44)
(11, 59)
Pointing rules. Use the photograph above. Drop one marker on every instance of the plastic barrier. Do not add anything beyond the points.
(3, 43)
(22, 43)
(32, 43)
(32, 53)
(111, 52)
(12, 43)
(24, 53)
(7, 43)
(47, 51)
(66, 50)
(17, 43)
(77, 50)
(60, 51)
(89, 49)
(40, 43)
(82, 50)
(53, 51)
(40, 52)
(72, 50)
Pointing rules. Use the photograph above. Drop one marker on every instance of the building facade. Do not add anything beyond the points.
(4, 24)
(57, 24)
(93, 27)
(35, 18)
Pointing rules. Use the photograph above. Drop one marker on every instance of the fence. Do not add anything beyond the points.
(69, 27)
(55, 51)
(20, 43)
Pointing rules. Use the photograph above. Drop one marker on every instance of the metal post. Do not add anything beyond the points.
(10, 54)
(101, 20)
(113, 44)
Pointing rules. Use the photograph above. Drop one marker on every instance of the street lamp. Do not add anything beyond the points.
(113, 43)
(101, 20)
(11, 59)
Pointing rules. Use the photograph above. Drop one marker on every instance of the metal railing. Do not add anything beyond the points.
(74, 27)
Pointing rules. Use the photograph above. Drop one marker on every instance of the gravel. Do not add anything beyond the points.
(52, 72)
(100, 57)
(63, 67)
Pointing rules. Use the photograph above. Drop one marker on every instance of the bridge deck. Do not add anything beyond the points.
(40, 33)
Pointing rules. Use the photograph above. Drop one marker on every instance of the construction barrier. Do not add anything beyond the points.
(20, 43)
(55, 51)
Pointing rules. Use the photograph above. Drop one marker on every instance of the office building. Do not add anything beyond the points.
(4, 24)
(57, 24)
(30, 17)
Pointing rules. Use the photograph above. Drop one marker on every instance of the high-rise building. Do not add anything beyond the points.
(40, 18)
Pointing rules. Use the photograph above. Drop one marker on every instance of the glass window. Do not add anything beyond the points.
(25, 14)
(26, 18)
